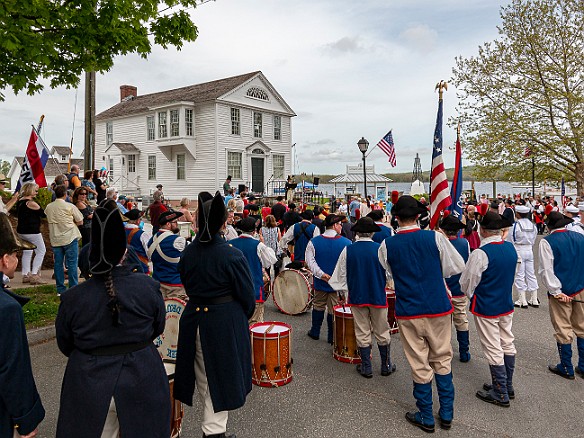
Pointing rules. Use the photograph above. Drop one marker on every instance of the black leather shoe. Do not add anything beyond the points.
(220, 435)
(368, 376)
(390, 371)
(488, 387)
(311, 336)
(487, 397)
(411, 417)
(446, 425)
(579, 372)
(554, 369)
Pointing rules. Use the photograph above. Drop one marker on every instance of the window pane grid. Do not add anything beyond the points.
(180, 166)
(174, 123)
(132, 163)
(235, 121)
(257, 125)
(189, 122)
(234, 164)
(278, 165)
(150, 129)
(109, 128)
(151, 166)
(162, 128)
(277, 128)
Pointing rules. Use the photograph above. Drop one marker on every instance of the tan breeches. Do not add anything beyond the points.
(325, 300)
(567, 319)
(496, 337)
(459, 316)
(371, 320)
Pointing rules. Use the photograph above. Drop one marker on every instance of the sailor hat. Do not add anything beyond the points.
(522, 209)
(572, 209)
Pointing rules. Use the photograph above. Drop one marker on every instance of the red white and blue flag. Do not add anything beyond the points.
(440, 195)
(456, 189)
(386, 145)
(35, 159)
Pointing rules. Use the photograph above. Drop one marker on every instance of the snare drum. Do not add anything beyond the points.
(177, 410)
(391, 319)
(271, 357)
(292, 291)
(167, 342)
(344, 341)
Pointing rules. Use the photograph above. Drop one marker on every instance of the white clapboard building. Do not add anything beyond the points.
(189, 139)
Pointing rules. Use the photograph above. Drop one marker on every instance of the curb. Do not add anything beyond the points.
(40, 335)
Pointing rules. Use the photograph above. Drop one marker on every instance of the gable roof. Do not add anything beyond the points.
(62, 150)
(193, 93)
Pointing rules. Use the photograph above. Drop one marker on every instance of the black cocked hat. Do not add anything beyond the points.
(494, 221)
(408, 206)
(451, 223)
(365, 225)
(108, 240)
(211, 215)
(557, 220)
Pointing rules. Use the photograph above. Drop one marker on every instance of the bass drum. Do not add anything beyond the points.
(167, 342)
(292, 291)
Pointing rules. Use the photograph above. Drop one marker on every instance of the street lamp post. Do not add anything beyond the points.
(363, 145)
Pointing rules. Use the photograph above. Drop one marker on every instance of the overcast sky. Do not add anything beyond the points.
(347, 68)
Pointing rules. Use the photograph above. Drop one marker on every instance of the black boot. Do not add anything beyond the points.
(386, 366)
(220, 435)
(498, 394)
(330, 328)
(565, 368)
(364, 368)
(463, 345)
(510, 369)
(317, 317)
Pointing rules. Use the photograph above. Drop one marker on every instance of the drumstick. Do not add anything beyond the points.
(270, 328)
(342, 301)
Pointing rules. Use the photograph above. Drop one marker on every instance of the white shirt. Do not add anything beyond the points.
(266, 254)
(230, 233)
(310, 255)
(523, 232)
(338, 280)
(289, 234)
(546, 268)
(576, 225)
(451, 261)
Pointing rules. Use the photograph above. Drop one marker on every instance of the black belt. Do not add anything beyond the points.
(210, 301)
(115, 350)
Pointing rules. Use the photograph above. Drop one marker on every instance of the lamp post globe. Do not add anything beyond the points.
(363, 145)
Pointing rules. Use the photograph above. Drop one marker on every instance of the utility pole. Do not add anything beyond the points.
(88, 148)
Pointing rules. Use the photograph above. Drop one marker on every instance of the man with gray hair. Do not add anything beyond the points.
(488, 282)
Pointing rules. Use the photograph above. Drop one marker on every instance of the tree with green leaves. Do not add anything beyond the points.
(4, 167)
(525, 91)
(57, 40)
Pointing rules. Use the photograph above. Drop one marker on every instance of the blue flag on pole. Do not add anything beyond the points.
(456, 188)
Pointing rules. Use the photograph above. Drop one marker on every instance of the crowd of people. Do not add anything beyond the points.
(224, 270)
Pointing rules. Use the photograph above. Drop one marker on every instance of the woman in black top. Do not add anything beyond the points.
(80, 201)
(100, 187)
(29, 228)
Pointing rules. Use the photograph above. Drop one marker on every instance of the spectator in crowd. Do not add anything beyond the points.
(87, 182)
(5, 208)
(229, 196)
(73, 177)
(160, 192)
(80, 200)
(291, 217)
(29, 229)
(137, 238)
(230, 231)
(121, 202)
(156, 209)
(227, 186)
(266, 209)
(63, 218)
(60, 180)
(21, 409)
(100, 187)
(187, 215)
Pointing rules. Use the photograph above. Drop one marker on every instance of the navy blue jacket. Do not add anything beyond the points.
(211, 270)
(20, 404)
(137, 380)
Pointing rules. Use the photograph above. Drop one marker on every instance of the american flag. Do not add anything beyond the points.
(440, 195)
(527, 153)
(386, 145)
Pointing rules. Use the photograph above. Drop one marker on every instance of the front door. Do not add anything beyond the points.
(257, 175)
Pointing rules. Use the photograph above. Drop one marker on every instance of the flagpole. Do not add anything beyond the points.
(373, 148)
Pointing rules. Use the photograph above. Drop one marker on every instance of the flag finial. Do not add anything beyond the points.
(441, 87)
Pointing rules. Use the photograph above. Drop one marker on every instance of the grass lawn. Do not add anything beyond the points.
(42, 308)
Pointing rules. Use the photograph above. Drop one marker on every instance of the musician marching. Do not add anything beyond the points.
(384, 230)
(300, 234)
(359, 272)
(137, 238)
(322, 254)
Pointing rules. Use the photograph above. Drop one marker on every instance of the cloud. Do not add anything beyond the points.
(346, 45)
(332, 154)
(420, 38)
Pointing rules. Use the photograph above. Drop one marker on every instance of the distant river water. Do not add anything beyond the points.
(504, 188)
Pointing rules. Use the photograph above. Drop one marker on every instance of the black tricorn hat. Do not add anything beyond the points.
(332, 219)
(308, 215)
(408, 206)
(451, 223)
(134, 214)
(557, 220)
(376, 215)
(211, 215)
(108, 240)
(9, 241)
(169, 216)
(111, 205)
(494, 221)
(365, 225)
(247, 225)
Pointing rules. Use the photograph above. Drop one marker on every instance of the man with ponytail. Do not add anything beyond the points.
(115, 383)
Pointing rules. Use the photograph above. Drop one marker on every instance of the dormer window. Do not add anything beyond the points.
(257, 93)
(64, 158)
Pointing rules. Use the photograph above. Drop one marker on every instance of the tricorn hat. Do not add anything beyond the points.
(211, 215)
(376, 215)
(307, 215)
(365, 225)
(9, 241)
(111, 205)
(557, 220)
(408, 206)
(494, 221)
(108, 240)
(332, 219)
(247, 225)
(169, 216)
(451, 223)
(134, 214)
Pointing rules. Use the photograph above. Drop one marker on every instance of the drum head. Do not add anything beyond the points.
(291, 292)
(270, 329)
(166, 343)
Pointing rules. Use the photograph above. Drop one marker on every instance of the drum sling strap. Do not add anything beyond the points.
(303, 231)
(129, 241)
(156, 247)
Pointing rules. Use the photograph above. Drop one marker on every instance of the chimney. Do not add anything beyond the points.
(126, 91)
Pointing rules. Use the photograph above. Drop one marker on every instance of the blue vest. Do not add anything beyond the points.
(380, 236)
(249, 247)
(163, 271)
(136, 244)
(568, 250)
(414, 260)
(300, 239)
(365, 275)
(493, 297)
(326, 253)
(453, 282)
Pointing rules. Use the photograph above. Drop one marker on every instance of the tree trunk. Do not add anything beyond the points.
(580, 178)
